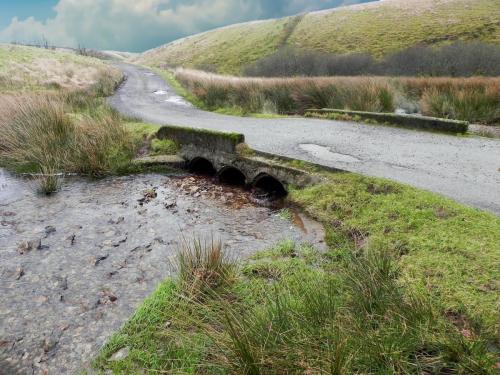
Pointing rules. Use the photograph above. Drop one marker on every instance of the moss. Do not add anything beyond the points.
(164, 147)
(235, 138)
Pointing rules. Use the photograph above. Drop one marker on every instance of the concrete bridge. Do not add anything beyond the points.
(226, 156)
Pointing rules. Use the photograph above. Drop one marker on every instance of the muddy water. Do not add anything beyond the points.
(74, 266)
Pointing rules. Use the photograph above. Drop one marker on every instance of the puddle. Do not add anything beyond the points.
(177, 100)
(160, 92)
(325, 153)
(148, 74)
(76, 265)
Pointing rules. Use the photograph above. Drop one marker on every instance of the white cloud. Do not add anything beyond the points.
(141, 24)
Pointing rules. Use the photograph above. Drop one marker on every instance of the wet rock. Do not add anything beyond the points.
(26, 246)
(169, 204)
(119, 220)
(148, 196)
(72, 239)
(49, 230)
(99, 259)
(120, 355)
(106, 298)
(61, 282)
(19, 273)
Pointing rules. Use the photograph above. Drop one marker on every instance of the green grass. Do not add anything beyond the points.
(164, 147)
(385, 28)
(377, 29)
(28, 69)
(227, 49)
(409, 285)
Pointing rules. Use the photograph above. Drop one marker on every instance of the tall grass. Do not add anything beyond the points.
(204, 267)
(358, 320)
(37, 133)
(471, 99)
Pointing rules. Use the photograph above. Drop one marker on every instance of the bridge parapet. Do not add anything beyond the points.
(221, 151)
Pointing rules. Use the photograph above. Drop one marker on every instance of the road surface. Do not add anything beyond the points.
(466, 169)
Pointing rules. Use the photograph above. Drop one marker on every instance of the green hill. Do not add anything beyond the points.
(377, 28)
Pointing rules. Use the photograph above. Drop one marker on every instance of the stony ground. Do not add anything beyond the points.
(74, 267)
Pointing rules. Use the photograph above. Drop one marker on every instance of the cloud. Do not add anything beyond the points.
(142, 24)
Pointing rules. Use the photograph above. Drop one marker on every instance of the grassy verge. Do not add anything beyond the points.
(409, 285)
(469, 99)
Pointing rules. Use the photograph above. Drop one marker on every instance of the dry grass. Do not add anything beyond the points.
(472, 99)
(29, 68)
(284, 95)
(38, 134)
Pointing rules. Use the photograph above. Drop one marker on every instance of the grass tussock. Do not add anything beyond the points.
(204, 266)
(408, 285)
(38, 132)
(319, 316)
(285, 95)
(470, 99)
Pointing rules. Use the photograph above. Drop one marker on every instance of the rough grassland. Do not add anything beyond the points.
(396, 24)
(378, 28)
(225, 48)
(433, 308)
(29, 68)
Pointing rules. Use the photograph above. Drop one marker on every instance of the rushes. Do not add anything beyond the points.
(37, 134)
(285, 95)
(204, 267)
(471, 99)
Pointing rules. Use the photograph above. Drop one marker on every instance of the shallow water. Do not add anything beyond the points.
(74, 266)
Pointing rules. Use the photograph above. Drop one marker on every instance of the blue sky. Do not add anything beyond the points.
(135, 25)
(41, 9)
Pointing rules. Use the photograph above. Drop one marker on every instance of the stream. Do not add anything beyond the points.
(74, 266)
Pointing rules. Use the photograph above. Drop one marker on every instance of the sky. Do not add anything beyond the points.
(135, 25)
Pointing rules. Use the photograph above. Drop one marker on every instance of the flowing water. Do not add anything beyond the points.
(74, 266)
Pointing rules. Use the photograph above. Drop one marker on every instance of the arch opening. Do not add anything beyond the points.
(268, 186)
(201, 166)
(232, 176)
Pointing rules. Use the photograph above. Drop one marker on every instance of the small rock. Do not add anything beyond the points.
(121, 219)
(72, 239)
(99, 259)
(19, 273)
(26, 246)
(62, 282)
(107, 297)
(170, 204)
(120, 354)
(49, 230)
(168, 324)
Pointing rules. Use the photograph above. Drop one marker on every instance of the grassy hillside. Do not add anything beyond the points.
(29, 68)
(377, 28)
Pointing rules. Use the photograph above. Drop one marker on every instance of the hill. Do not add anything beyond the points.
(29, 68)
(378, 28)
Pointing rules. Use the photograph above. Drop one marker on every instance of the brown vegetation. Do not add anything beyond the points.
(471, 99)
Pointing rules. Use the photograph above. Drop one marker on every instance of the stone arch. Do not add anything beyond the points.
(270, 185)
(232, 176)
(201, 165)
